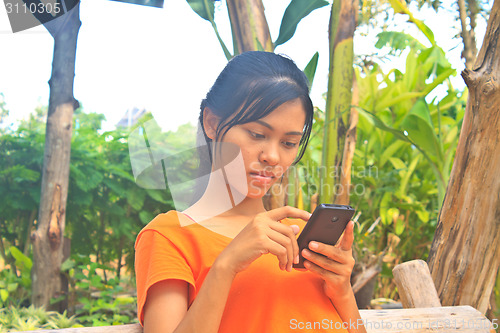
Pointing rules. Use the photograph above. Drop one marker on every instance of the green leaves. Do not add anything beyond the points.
(88, 179)
(146, 217)
(100, 302)
(4, 294)
(417, 130)
(204, 8)
(310, 69)
(105, 207)
(397, 41)
(20, 173)
(401, 8)
(294, 13)
(418, 125)
(23, 262)
(378, 123)
(410, 140)
(402, 97)
(135, 198)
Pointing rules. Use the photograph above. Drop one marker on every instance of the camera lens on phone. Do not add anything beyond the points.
(335, 219)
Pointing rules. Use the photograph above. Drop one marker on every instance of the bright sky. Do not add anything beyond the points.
(165, 60)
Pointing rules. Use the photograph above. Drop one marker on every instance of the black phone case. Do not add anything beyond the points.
(326, 225)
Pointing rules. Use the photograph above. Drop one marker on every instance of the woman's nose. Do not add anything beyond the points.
(269, 154)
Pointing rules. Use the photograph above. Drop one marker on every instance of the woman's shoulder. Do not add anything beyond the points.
(164, 223)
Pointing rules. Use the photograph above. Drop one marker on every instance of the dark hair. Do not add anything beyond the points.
(251, 86)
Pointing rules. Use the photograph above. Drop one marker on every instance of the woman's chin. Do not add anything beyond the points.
(260, 190)
(256, 195)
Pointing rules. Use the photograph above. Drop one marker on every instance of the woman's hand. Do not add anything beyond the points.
(265, 234)
(333, 263)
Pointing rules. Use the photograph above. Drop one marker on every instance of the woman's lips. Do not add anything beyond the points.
(263, 178)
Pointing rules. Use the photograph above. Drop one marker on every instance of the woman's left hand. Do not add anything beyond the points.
(333, 263)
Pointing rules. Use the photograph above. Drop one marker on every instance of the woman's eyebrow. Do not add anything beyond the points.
(263, 123)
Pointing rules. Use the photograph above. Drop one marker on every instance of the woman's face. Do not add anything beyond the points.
(268, 147)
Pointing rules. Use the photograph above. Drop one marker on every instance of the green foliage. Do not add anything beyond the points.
(396, 105)
(401, 8)
(21, 159)
(305, 176)
(205, 9)
(23, 262)
(397, 41)
(411, 144)
(15, 279)
(105, 207)
(4, 112)
(310, 69)
(401, 165)
(373, 12)
(95, 300)
(15, 283)
(294, 13)
(23, 319)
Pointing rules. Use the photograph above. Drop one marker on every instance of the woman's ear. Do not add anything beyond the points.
(210, 123)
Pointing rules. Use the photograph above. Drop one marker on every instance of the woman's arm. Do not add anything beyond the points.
(348, 311)
(166, 308)
(334, 264)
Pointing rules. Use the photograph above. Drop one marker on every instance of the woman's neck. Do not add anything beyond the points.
(248, 207)
(220, 200)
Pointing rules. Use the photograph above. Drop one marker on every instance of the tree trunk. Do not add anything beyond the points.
(249, 26)
(349, 148)
(465, 256)
(468, 34)
(48, 238)
(338, 102)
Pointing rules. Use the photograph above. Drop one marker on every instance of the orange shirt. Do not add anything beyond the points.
(262, 298)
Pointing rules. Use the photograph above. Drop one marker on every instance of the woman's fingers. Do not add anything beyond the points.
(285, 236)
(287, 211)
(335, 265)
(290, 232)
(329, 251)
(347, 237)
(282, 238)
(281, 247)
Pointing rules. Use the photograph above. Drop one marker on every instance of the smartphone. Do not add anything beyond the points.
(326, 225)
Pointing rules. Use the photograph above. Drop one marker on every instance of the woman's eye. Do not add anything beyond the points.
(256, 135)
(290, 144)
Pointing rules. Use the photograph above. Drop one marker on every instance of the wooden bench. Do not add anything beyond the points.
(422, 310)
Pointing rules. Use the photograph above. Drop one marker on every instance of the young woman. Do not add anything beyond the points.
(225, 263)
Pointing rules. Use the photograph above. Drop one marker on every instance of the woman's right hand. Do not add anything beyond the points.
(265, 234)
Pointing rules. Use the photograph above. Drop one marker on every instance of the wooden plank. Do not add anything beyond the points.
(445, 319)
(422, 320)
(415, 286)
(131, 328)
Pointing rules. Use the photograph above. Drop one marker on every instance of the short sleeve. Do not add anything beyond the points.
(157, 259)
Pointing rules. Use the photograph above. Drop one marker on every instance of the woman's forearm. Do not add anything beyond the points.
(205, 314)
(348, 311)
